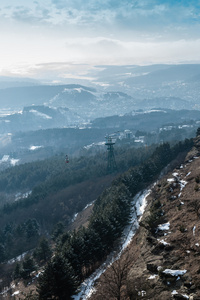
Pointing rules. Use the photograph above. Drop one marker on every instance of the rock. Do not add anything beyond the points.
(152, 267)
(188, 284)
(179, 297)
(151, 239)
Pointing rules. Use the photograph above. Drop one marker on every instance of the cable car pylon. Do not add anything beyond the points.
(111, 163)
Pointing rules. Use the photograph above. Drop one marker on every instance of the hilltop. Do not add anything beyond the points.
(163, 259)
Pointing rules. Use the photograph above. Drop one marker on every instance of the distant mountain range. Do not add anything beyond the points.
(39, 117)
(153, 81)
(117, 90)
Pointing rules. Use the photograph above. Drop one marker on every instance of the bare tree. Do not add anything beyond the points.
(196, 207)
(112, 284)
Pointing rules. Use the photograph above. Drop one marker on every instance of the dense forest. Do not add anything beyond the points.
(54, 191)
(39, 220)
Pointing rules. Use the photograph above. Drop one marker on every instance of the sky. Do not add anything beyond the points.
(69, 37)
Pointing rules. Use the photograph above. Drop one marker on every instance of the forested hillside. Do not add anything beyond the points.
(163, 258)
(43, 193)
(79, 253)
(56, 200)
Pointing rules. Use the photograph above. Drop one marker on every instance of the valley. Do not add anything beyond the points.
(76, 212)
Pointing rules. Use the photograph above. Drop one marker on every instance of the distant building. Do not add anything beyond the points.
(128, 134)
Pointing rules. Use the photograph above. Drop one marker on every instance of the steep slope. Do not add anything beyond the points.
(163, 259)
(175, 246)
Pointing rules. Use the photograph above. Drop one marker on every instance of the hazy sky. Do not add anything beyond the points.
(66, 36)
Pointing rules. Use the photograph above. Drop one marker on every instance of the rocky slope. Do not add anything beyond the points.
(164, 255)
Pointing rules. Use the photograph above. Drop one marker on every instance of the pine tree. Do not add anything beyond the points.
(58, 280)
(17, 271)
(198, 131)
(2, 253)
(43, 251)
(28, 266)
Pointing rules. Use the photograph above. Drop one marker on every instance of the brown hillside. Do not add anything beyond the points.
(163, 264)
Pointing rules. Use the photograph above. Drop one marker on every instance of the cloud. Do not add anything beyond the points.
(97, 32)
(31, 14)
(26, 15)
(111, 51)
(110, 15)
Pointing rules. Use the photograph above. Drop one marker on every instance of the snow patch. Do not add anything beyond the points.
(74, 217)
(18, 258)
(170, 179)
(182, 184)
(5, 158)
(14, 161)
(164, 226)
(39, 114)
(163, 242)
(88, 205)
(185, 296)
(22, 196)
(142, 293)
(174, 272)
(32, 148)
(175, 174)
(153, 276)
(87, 147)
(174, 292)
(140, 200)
(15, 293)
(194, 228)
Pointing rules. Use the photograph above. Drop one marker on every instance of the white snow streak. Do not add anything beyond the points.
(39, 114)
(139, 204)
(187, 174)
(182, 184)
(194, 228)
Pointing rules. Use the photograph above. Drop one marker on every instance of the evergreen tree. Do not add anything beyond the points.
(28, 266)
(17, 271)
(2, 253)
(43, 251)
(58, 230)
(32, 228)
(198, 131)
(58, 280)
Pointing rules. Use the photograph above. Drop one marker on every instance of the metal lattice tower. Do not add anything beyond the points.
(111, 165)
